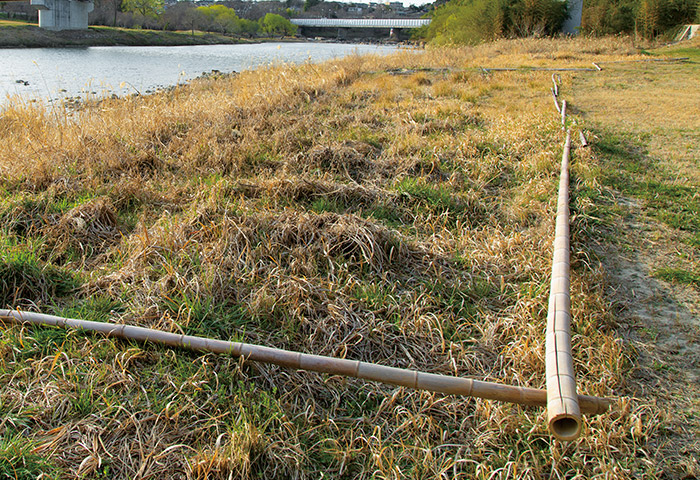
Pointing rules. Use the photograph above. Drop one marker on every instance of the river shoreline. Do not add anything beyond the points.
(20, 35)
(65, 74)
(31, 36)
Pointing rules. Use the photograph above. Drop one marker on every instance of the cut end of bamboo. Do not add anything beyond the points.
(565, 427)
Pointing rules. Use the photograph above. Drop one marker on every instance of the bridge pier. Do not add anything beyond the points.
(63, 14)
(573, 23)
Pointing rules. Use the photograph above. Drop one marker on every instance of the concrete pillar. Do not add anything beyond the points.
(573, 23)
(63, 14)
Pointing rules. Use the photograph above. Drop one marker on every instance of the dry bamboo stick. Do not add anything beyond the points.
(670, 59)
(556, 86)
(556, 102)
(584, 142)
(563, 410)
(334, 366)
(597, 67)
(537, 69)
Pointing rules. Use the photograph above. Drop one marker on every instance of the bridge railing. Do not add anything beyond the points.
(361, 22)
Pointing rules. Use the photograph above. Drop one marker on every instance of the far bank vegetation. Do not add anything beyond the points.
(476, 21)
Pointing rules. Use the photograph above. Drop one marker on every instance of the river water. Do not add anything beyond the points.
(54, 74)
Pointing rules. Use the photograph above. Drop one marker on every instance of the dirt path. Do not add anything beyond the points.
(660, 322)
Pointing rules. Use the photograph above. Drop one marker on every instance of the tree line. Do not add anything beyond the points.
(474, 21)
(648, 18)
(185, 15)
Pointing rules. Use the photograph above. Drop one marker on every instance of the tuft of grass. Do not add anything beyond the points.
(18, 460)
(24, 278)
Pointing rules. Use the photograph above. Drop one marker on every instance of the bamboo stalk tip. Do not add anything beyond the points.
(565, 427)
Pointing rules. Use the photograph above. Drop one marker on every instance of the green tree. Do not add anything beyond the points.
(273, 24)
(309, 4)
(220, 18)
(648, 17)
(474, 21)
(147, 8)
(249, 27)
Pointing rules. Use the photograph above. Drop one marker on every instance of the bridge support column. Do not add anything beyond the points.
(63, 14)
(573, 23)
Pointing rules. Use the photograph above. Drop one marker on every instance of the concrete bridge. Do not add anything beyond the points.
(62, 14)
(361, 22)
(357, 27)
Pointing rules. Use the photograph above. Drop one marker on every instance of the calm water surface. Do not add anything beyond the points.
(58, 73)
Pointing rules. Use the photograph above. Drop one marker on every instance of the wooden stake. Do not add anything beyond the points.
(334, 366)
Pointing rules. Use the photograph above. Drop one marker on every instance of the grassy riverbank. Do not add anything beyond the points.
(17, 34)
(398, 210)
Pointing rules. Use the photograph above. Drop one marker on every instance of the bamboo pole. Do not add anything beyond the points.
(563, 408)
(660, 60)
(563, 114)
(538, 69)
(555, 89)
(316, 363)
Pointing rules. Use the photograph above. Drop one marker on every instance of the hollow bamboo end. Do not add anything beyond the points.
(565, 427)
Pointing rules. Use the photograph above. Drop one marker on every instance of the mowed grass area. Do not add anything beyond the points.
(346, 209)
(6, 23)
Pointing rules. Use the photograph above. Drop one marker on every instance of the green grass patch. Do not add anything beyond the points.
(23, 277)
(436, 197)
(678, 275)
(18, 461)
(633, 173)
(205, 317)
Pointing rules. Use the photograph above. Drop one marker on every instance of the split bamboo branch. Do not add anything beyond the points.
(334, 366)
(563, 410)
(556, 86)
(556, 102)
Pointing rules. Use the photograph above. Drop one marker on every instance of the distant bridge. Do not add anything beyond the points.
(361, 22)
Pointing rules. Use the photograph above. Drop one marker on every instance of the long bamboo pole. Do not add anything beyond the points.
(316, 363)
(563, 407)
(563, 114)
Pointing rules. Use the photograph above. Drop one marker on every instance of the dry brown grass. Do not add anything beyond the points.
(337, 209)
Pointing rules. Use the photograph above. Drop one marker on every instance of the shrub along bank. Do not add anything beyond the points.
(474, 21)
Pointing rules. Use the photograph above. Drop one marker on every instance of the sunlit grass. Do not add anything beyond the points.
(336, 209)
